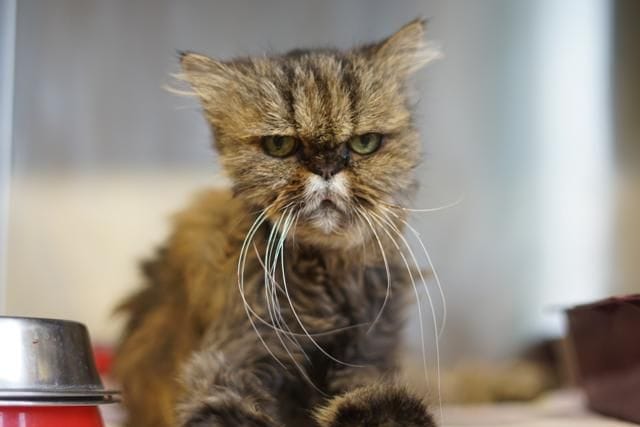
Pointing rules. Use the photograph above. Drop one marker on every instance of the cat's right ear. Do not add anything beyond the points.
(208, 77)
(407, 50)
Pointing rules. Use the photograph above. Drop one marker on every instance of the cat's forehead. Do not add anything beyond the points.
(323, 94)
(312, 94)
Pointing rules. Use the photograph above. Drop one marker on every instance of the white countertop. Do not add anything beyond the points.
(560, 409)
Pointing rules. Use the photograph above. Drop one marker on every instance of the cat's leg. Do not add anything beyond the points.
(223, 390)
(371, 395)
(376, 405)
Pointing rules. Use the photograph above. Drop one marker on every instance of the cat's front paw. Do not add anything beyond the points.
(375, 406)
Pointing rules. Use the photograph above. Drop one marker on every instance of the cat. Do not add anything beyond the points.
(281, 301)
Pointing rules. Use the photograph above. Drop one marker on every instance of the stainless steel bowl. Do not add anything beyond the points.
(48, 360)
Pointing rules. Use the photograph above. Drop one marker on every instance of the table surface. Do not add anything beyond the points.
(559, 409)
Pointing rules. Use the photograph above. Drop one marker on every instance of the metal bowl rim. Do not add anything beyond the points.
(44, 402)
(21, 403)
(57, 393)
(47, 319)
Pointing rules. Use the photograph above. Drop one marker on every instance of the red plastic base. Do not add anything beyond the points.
(50, 416)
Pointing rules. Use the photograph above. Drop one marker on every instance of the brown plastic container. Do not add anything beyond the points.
(606, 340)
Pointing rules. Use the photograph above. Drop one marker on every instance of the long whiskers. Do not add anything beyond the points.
(289, 332)
(386, 267)
(271, 298)
(275, 313)
(274, 251)
(301, 324)
(271, 272)
(456, 202)
(415, 290)
(384, 218)
(275, 285)
(241, 265)
(436, 277)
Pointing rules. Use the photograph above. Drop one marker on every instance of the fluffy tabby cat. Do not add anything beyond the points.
(281, 302)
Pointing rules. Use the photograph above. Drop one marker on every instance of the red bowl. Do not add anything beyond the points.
(50, 416)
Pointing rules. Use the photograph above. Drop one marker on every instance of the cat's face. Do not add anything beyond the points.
(321, 137)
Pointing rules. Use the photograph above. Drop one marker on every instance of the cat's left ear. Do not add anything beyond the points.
(407, 50)
(208, 77)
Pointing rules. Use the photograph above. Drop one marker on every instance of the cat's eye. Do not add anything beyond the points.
(365, 144)
(279, 145)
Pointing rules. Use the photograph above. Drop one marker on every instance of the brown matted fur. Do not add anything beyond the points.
(280, 302)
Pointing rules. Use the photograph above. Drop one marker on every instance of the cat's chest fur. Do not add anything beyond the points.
(326, 310)
(322, 291)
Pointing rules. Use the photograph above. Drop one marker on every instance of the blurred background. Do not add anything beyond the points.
(532, 115)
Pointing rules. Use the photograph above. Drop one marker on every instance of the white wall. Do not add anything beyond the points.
(576, 173)
(7, 51)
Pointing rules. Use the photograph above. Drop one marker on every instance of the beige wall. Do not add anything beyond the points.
(75, 242)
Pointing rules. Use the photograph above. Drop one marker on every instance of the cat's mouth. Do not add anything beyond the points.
(328, 203)
(325, 197)
(325, 213)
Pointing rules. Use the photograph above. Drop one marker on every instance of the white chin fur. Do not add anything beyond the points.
(326, 221)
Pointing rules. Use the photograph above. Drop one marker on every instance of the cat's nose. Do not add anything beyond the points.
(330, 166)
(327, 171)
(325, 163)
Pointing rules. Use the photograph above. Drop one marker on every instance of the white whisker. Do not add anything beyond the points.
(436, 332)
(415, 290)
(304, 329)
(279, 251)
(436, 277)
(269, 282)
(241, 265)
(386, 266)
(315, 334)
(459, 200)
(279, 254)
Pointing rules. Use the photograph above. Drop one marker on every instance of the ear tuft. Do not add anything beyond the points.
(192, 62)
(407, 50)
(181, 54)
(207, 77)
